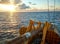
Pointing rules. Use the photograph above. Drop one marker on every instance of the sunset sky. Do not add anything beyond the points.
(21, 5)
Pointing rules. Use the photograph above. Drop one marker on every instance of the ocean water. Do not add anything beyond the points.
(10, 23)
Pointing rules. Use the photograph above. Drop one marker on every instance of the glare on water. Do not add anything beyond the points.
(12, 18)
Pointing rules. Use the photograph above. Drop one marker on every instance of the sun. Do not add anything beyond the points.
(7, 7)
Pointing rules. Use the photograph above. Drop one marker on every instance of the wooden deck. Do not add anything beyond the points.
(48, 35)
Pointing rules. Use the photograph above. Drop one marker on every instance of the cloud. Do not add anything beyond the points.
(24, 6)
(8, 1)
(4, 1)
(17, 1)
(32, 3)
(21, 5)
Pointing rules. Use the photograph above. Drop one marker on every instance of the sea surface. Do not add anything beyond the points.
(10, 23)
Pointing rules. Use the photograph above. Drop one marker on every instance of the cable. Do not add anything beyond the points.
(48, 10)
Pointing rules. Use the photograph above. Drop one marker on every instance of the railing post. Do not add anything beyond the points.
(22, 30)
(39, 25)
(31, 26)
(46, 27)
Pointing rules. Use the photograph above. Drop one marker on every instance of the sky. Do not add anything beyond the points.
(36, 4)
(41, 4)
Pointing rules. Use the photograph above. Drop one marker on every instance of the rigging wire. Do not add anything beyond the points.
(48, 10)
(54, 9)
(54, 13)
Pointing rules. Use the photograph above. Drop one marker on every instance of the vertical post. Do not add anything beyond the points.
(39, 25)
(31, 25)
(22, 30)
(46, 27)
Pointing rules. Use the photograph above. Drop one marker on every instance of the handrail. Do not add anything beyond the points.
(30, 27)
